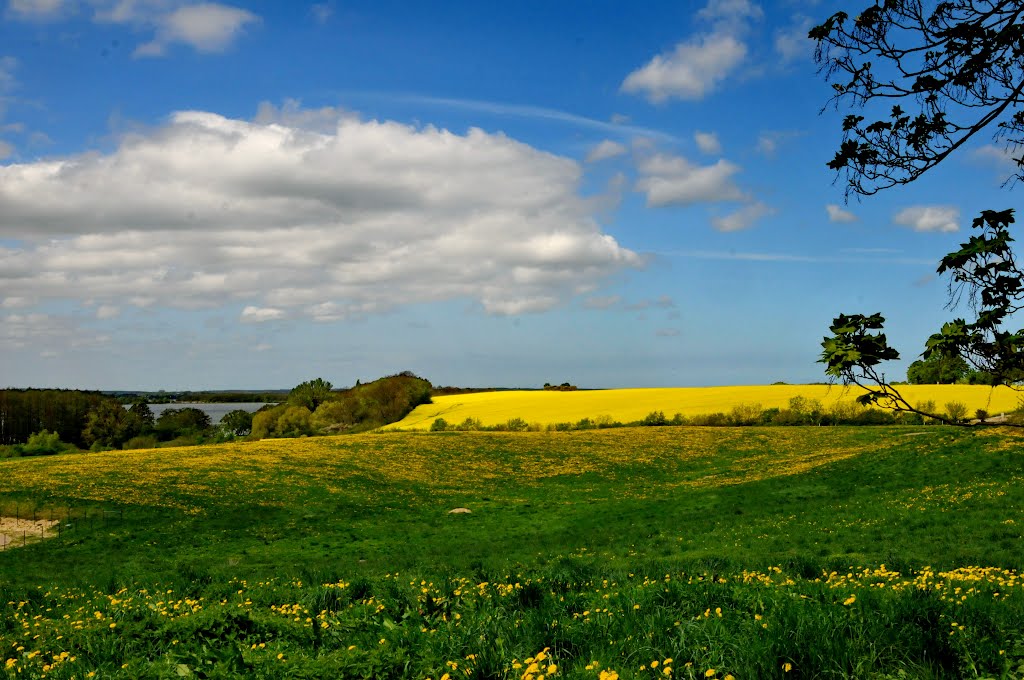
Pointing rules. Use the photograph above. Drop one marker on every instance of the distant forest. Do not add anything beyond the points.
(44, 421)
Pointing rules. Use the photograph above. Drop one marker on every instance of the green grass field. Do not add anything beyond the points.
(637, 552)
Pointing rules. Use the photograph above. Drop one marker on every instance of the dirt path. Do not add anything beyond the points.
(14, 532)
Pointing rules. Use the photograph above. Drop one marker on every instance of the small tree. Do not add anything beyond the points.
(237, 422)
(310, 394)
(43, 443)
(956, 411)
(439, 425)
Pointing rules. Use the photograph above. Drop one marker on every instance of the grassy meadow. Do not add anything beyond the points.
(657, 552)
(631, 405)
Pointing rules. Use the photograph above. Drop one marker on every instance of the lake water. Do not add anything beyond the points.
(216, 411)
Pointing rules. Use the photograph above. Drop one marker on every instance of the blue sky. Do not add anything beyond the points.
(204, 195)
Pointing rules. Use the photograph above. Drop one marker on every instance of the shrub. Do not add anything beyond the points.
(439, 425)
(470, 424)
(710, 420)
(517, 425)
(956, 411)
(147, 441)
(746, 414)
(654, 419)
(926, 407)
(981, 414)
(43, 443)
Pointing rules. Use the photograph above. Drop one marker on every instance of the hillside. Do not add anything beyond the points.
(337, 556)
(631, 405)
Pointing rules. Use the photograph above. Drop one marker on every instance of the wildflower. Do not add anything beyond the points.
(710, 673)
(654, 664)
(850, 600)
(787, 667)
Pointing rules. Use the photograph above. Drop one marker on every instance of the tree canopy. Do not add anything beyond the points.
(925, 78)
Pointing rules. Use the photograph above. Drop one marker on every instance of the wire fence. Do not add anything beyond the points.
(22, 525)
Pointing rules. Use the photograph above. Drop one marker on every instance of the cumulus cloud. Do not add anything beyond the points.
(291, 221)
(673, 180)
(837, 214)
(741, 219)
(698, 65)
(940, 218)
(107, 312)
(204, 26)
(708, 143)
(605, 150)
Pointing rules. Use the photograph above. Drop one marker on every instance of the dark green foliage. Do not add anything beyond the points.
(938, 369)
(310, 394)
(654, 419)
(43, 444)
(237, 422)
(110, 425)
(181, 422)
(439, 425)
(144, 414)
(364, 407)
(23, 412)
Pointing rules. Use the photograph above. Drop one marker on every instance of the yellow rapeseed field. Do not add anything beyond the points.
(625, 405)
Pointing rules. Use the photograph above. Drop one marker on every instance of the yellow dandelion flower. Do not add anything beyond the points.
(850, 600)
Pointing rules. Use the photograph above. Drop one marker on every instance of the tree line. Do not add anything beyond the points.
(38, 422)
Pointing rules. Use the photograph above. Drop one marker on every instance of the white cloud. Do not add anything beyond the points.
(204, 26)
(698, 65)
(107, 312)
(792, 43)
(940, 218)
(207, 27)
(262, 347)
(837, 214)
(290, 221)
(253, 314)
(673, 180)
(37, 10)
(605, 150)
(741, 219)
(708, 143)
(690, 71)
